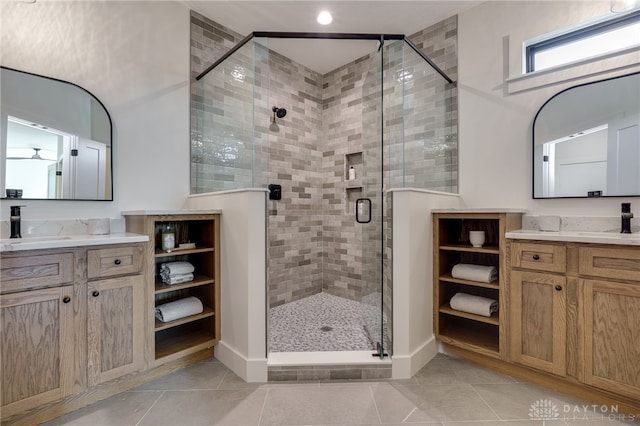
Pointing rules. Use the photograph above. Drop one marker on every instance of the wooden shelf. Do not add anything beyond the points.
(474, 333)
(198, 280)
(469, 248)
(447, 278)
(493, 319)
(177, 252)
(477, 340)
(173, 345)
(207, 312)
(171, 341)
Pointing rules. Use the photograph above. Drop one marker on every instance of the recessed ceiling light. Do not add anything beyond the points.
(324, 18)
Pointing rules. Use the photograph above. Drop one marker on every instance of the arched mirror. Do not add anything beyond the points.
(56, 140)
(586, 141)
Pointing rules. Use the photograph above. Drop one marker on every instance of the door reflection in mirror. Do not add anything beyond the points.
(55, 140)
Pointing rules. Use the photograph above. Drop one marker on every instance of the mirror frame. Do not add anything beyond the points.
(533, 142)
(3, 159)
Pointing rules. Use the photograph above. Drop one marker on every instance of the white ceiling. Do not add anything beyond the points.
(374, 17)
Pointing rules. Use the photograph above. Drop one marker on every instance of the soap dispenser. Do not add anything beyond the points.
(168, 237)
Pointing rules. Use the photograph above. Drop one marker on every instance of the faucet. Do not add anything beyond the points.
(626, 218)
(15, 222)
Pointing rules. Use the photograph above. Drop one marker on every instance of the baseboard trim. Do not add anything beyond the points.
(406, 366)
(249, 370)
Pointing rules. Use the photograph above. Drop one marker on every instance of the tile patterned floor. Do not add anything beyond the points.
(446, 392)
(321, 322)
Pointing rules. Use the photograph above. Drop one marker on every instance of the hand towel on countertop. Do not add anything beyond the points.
(473, 304)
(176, 279)
(480, 273)
(179, 309)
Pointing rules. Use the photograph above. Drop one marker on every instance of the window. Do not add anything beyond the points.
(590, 41)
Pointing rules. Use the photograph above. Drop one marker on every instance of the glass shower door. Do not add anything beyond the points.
(370, 207)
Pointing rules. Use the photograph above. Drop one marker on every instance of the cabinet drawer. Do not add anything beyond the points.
(36, 271)
(618, 263)
(114, 261)
(540, 257)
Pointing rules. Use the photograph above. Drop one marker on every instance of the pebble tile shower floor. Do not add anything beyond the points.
(322, 322)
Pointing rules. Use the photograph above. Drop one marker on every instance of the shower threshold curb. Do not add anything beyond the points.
(286, 359)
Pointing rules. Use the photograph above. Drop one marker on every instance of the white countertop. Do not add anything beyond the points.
(577, 237)
(169, 212)
(64, 241)
(483, 210)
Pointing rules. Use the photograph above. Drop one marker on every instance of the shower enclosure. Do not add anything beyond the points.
(383, 121)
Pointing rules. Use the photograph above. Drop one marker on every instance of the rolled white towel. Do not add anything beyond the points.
(176, 268)
(473, 304)
(484, 274)
(177, 279)
(179, 309)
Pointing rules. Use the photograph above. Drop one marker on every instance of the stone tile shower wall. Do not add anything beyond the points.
(290, 157)
(431, 109)
(314, 243)
(295, 251)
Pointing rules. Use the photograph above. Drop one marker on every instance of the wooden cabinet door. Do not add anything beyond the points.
(612, 336)
(538, 321)
(37, 348)
(114, 327)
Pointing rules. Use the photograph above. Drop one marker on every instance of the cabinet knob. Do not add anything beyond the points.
(117, 261)
(66, 299)
(95, 294)
(558, 287)
(536, 257)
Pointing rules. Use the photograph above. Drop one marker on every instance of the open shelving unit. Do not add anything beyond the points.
(174, 339)
(469, 331)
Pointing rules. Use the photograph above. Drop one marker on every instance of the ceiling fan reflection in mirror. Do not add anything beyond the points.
(35, 156)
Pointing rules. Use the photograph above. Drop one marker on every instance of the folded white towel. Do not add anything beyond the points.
(179, 309)
(485, 274)
(177, 279)
(176, 268)
(473, 304)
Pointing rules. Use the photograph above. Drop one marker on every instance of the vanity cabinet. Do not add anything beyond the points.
(37, 347)
(610, 301)
(538, 306)
(580, 318)
(115, 306)
(70, 319)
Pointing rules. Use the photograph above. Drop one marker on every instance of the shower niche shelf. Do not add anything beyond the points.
(469, 331)
(172, 340)
(354, 160)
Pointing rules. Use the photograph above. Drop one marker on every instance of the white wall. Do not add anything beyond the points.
(243, 287)
(134, 57)
(414, 343)
(495, 125)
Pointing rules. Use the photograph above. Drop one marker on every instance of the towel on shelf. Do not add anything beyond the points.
(179, 309)
(176, 268)
(473, 304)
(177, 279)
(176, 272)
(480, 273)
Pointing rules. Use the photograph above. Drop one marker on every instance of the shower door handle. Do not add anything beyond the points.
(363, 210)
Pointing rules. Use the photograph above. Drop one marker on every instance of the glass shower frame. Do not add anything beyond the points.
(235, 152)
